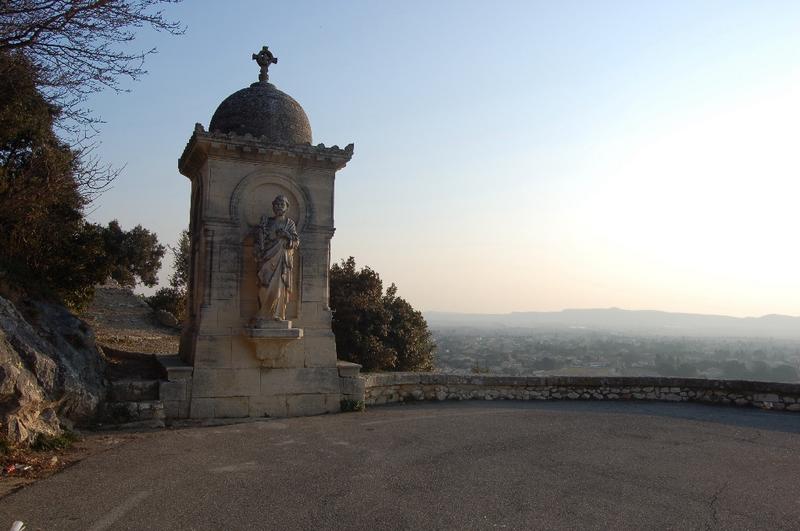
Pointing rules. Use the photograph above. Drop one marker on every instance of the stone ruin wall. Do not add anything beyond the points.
(385, 388)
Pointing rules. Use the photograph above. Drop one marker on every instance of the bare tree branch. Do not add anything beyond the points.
(80, 47)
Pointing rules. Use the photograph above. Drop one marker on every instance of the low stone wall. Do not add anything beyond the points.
(384, 388)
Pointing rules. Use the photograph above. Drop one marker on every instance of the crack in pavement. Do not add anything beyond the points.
(712, 506)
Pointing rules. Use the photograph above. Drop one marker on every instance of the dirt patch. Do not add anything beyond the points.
(22, 466)
(124, 322)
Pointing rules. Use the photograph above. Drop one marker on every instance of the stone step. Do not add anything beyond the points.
(128, 412)
(133, 390)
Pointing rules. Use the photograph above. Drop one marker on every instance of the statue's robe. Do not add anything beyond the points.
(274, 253)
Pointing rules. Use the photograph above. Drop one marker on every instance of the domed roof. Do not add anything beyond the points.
(263, 110)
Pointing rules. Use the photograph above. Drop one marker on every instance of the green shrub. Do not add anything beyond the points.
(352, 405)
(45, 443)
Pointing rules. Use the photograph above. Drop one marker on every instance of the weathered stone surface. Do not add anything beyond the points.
(226, 382)
(353, 387)
(261, 110)
(48, 374)
(299, 381)
(176, 409)
(232, 407)
(201, 408)
(347, 369)
(268, 406)
(303, 405)
(174, 391)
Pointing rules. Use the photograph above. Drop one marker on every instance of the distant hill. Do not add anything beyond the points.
(630, 321)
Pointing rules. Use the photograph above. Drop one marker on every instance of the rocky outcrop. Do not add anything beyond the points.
(51, 371)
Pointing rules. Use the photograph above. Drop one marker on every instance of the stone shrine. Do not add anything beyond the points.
(258, 339)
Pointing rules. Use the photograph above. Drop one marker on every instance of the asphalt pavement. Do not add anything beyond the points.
(453, 465)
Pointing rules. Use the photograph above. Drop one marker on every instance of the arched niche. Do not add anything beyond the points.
(253, 196)
(251, 199)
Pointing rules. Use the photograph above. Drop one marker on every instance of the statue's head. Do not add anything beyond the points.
(280, 205)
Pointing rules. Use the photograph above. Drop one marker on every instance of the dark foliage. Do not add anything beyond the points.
(133, 256)
(41, 209)
(180, 262)
(379, 331)
(173, 298)
(46, 246)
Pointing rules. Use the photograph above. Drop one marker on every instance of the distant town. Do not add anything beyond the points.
(492, 345)
(537, 352)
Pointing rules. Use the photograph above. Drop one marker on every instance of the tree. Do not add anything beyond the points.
(79, 46)
(132, 257)
(379, 331)
(41, 207)
(53, 53)
(46, 246)
(173, 299)
(408, 334)
(180, 262)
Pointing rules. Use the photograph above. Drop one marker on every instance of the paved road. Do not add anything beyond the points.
(470, 465)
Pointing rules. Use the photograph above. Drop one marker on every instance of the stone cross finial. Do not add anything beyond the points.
(264, 58)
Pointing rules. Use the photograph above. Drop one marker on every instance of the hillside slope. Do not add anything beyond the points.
(123, 321)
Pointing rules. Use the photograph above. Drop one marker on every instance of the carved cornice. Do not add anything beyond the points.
(202, 144)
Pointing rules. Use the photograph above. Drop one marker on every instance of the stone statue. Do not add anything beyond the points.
(264, 58)
(276, 241)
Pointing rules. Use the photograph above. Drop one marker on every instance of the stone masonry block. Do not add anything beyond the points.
(228, 316)
(333, 403)
(268, 406)
(232, 407)
(174, 409)
(294, 354)
(320, 351)
(207, 318)
(213, 351)
(178, 390)
(299, 381)
(224, 286)
(348, 369)
(304, 405)
(352, 386)
(313, 289)
(228, 259)
(226, 382)
(243, 353)
(201, 408)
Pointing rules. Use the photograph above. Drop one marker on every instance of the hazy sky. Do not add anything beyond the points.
(510, 156)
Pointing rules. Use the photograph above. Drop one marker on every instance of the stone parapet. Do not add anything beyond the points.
(383, 388)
